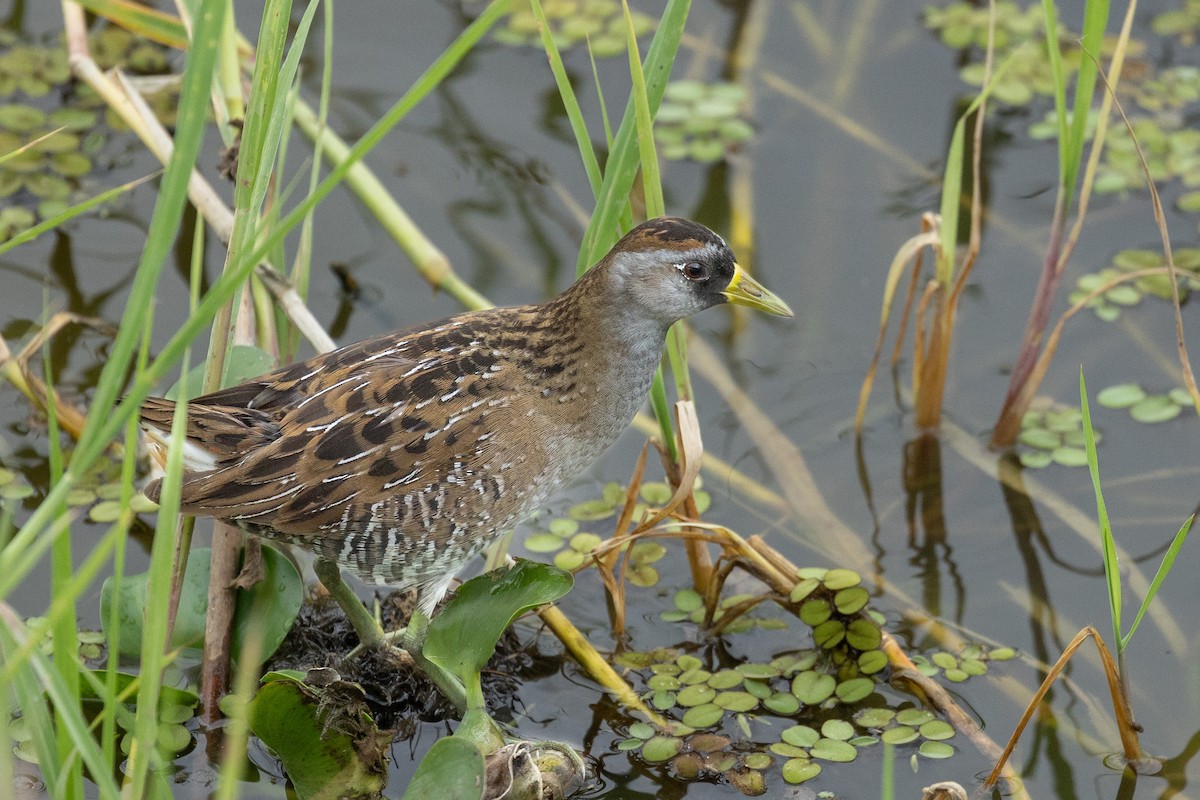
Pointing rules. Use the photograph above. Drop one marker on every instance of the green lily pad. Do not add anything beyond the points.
(936, 749)
(782, 703)
(800, 736)
(813, 688)
(661, 748)
(901, 734)
(838, 729)
(736, 701)
(703, 716)
(695, 695)
(936, 729)
(799, 770)
(1155, 408)
(834, 750)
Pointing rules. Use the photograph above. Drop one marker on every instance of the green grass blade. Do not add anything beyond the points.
(1050, 17)
(1163, 569)
(583, 141)
(644, 123)
(1095, 21)
(623, 159)
(1112, 567)
(953, 172)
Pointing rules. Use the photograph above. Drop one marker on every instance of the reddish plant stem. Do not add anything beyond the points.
(1009, 423)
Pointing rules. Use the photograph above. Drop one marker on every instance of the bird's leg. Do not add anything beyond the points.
(411, 639)
(370, 635)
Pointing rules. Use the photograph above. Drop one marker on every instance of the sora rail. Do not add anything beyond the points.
(402, 456)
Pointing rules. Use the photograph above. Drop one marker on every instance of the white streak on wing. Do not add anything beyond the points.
(331, 387)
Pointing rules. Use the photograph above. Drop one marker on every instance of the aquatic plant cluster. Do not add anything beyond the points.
(1159, 102)
(47, 153)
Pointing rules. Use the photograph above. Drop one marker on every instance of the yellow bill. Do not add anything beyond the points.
(745, 291)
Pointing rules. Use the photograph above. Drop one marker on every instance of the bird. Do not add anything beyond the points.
(400, 457)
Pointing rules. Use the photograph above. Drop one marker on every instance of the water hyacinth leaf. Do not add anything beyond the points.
(817, 573)
(800, 736)
(936, 749)
(834, 750)
(349, 759)
(453, 769)
(838, 729)
(936, 730)
(687, 662)
(956, 675)
(854, 690)
(841, 579)
(703, 716)
(813, 688)
(463, 635)
(626, 745)
(693, 676)
(661, 748)
(1154, 408)
(901, 734)
(244, 362)
(268, 608)
(799, 770)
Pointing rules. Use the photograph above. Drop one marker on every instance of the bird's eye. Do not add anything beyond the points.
(693, 271)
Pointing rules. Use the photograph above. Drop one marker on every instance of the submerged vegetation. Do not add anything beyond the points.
(714, 662)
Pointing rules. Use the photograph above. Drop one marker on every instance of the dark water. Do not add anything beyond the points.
(835, 185)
